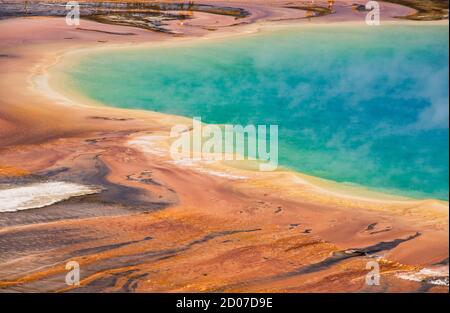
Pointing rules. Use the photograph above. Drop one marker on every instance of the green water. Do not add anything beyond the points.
(365, 106)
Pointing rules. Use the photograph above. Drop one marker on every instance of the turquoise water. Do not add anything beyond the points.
(366, 106)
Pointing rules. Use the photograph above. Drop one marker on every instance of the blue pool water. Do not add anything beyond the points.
(366, 106)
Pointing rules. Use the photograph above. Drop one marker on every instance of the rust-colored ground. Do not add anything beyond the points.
(159, 227)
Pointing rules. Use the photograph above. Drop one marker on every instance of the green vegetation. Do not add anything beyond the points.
(427, 10)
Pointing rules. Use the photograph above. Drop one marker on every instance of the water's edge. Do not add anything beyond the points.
(65, 66)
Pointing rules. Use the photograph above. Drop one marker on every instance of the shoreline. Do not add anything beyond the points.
(265, 219)
(338, 189)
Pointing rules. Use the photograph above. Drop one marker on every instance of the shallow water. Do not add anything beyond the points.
(360, 105)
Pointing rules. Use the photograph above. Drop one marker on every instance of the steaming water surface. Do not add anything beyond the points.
(360, 105)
